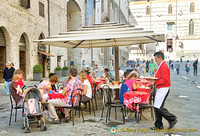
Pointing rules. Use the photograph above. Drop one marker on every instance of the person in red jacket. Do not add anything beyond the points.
(163, 84)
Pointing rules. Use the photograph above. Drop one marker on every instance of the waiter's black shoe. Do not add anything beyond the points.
(156, 128)
(172, 123)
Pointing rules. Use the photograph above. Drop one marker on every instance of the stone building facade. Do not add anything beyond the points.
(177, 19)
(23, 21)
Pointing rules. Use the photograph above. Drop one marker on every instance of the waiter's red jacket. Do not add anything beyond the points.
(163, 75)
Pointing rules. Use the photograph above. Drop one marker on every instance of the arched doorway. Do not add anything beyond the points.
(74, 22)
(41, 57)
(2, 54)
(22, 54)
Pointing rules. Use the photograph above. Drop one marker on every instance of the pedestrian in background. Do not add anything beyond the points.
(177, 67)
(144, 67)
(195, 67)
(187, 67)
(147, 66)
(7, 76)
(152, 65)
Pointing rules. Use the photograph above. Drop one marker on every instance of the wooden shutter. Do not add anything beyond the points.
(41, 9)
(23, 3)
(2, 38)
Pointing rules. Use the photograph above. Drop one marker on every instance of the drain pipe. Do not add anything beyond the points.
(48, 7)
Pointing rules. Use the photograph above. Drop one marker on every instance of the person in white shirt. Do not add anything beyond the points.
(87, 90)
(135, 70)
(121, 73)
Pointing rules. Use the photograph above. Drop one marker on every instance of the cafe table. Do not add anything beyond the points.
(135, 98)
(115, 90)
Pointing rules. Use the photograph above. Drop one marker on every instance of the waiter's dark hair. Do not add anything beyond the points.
(159, 54)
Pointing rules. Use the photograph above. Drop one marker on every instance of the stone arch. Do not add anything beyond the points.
(73, 15)
(4, 48)
(24, 54)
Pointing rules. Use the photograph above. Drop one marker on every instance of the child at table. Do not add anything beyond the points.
(93, 75)
(131, 82)
(19, 73)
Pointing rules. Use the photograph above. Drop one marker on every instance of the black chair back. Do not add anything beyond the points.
(76, 97)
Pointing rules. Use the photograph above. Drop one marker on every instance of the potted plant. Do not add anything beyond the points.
(65, 71)
(37, 72)
(58, 71)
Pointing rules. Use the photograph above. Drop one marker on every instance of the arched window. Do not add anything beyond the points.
(147, 10)
(191, 27)
(170, 9)
(192, 7)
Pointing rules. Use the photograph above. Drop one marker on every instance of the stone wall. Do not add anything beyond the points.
(159, 17)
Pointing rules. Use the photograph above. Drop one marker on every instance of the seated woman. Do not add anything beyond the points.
(46, 86)
(131, 82)
(87, 90)
(106, 77)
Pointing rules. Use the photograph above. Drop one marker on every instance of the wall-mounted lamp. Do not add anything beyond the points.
(159, 15)
(180, 13)
(69, 15)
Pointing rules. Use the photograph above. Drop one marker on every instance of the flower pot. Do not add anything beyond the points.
(64, 73)
(58, 73)
(37, 76)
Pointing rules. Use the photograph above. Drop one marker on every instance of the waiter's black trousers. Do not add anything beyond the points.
(163, 112)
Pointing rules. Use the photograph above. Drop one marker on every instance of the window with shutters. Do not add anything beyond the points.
(191, 27)
(170, 9)
(41, 9)
(147, 10)
(25, 3)
(192, 7)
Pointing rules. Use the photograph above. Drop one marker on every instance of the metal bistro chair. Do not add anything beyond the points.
(14, 106)
(94, 95)
(145, 105)
(75, 105)
(113, 105)
(59, 84)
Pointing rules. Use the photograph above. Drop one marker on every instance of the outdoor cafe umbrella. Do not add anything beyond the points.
(104, 36)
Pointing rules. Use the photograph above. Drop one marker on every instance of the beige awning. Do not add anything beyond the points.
(96, 37)
(45, 53)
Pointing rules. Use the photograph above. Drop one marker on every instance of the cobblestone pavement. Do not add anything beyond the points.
(182, 101)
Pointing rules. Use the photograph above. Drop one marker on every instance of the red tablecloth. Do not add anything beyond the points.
(146, 89)
(102, 81)
(55, 96)
(135, 97)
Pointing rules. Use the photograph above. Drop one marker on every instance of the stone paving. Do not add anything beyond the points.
(182, 101)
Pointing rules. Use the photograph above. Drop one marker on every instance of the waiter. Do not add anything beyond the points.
(163, 84)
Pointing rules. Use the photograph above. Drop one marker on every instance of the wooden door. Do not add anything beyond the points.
(2, 61)
(22, 63)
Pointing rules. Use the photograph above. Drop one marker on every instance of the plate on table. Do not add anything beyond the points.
(149, 78)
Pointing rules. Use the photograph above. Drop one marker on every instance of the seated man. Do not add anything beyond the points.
(135, 70)
(72, 86)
